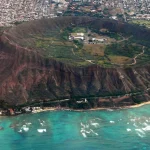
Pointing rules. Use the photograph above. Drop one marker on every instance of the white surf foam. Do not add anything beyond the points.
(82, 125)
(93, 132)
(95, 124)
(42, 124)
(140, 135)
(87, 126)
(82, 130)
(145, 124)
(84, 135)
(128, 129)
(135, 125)
(28, 123)
(20, 131)
(146, 128)
(25, 128)
(88, 132)
(97, 119)
(96, 133)
(41, 130)
(140, 131)
(112, 121)
(133, 120)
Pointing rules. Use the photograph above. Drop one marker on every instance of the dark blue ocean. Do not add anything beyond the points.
(127, 129)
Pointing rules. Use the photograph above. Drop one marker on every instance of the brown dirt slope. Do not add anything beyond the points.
(25, 75)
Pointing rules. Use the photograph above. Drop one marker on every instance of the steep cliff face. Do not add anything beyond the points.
(26, 76)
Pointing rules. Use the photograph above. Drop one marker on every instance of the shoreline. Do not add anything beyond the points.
(92, 109)
(139, 105)
(79, 110)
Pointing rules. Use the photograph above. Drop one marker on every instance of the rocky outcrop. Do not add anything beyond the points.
(26, 76)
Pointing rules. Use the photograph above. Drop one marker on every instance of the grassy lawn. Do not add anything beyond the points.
(79, 30)
(123, 49)
(145, 23)
(120, 59)
(95, 49)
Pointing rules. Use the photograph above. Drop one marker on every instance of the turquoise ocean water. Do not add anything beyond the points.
(127, 129)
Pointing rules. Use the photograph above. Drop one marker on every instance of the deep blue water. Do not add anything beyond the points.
(127, 129)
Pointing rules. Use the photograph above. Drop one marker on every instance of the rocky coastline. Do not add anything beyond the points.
(82, 104)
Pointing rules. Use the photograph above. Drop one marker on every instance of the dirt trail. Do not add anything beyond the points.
(134, 59)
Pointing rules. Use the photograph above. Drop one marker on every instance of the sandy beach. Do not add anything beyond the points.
(92, 109)
(139, 105)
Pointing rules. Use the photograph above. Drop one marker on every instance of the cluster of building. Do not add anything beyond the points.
(12, 11)
(85, 38)
(142, 16)
(12, 112)
(112, 8)
(77, 36)
(130, 5)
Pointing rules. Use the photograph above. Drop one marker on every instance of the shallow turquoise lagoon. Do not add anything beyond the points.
(127, 129)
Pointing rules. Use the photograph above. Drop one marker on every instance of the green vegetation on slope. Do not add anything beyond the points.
(57, 45)
(115, 45)
(79, 30)
(123, 49)
(145, 23)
